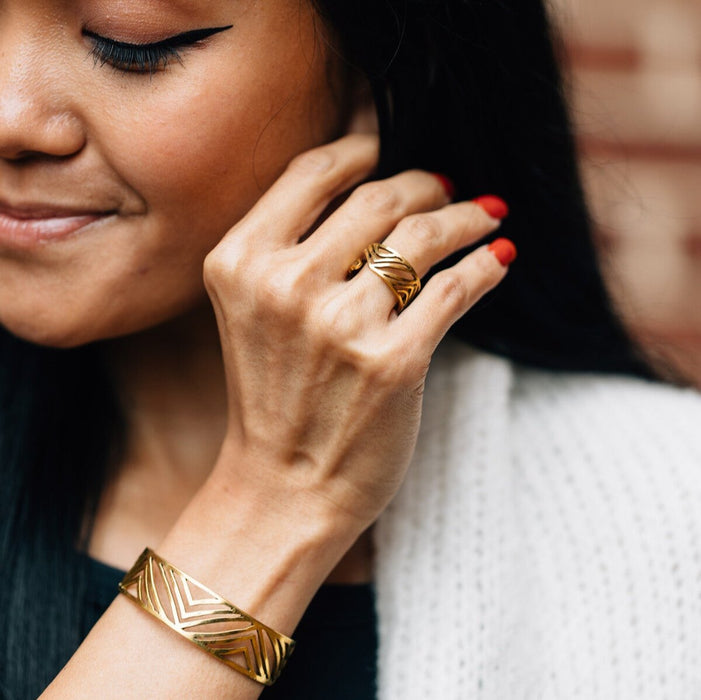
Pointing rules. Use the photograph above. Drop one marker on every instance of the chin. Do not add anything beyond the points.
(53, 335)
(64, 324)
(60, 329)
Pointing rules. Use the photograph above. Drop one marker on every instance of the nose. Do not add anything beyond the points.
(36, 117)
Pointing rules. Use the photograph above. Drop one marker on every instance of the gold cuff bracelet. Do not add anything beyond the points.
(206, 619)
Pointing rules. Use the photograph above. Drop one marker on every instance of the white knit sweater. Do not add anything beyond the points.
(546, 544)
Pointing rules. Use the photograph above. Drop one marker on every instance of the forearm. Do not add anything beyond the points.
(265, 566)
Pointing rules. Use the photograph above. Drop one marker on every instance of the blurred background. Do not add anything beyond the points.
(635, 88)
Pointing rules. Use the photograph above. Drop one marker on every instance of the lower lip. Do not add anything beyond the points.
(25, 233)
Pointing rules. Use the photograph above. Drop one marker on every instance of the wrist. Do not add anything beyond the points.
(255, 555)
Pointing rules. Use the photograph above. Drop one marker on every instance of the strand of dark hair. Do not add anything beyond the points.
(60, 428)
(473, 89)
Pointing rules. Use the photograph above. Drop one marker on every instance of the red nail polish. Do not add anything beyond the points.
(504, 250)
(493, 205)
(447, 183)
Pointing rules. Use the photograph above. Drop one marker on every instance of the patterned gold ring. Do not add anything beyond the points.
(393, 269)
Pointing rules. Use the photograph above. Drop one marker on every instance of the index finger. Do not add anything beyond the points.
(311, 181)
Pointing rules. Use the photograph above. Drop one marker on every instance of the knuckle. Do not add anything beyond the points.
(335, 320)
(223, 263)
(383, 368)
(366, 360)
(315, 162)
(424, 228)
(217, 268)
(452, 289)
(212, 266)
(380, 197)
(380, 374)
(279, 295)
(386, 367)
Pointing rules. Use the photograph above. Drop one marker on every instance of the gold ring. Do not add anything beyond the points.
(393, 269)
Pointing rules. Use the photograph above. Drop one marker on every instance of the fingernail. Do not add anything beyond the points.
(447, 183)
(493, 205)
(504, 250)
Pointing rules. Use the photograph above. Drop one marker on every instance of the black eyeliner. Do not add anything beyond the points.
(179, 40)
(148, 57)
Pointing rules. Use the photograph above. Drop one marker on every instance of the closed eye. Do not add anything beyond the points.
(145, 58)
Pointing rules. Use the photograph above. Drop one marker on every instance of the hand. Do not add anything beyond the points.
(324, 379)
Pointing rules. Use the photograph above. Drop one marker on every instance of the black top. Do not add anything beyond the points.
(336, 650)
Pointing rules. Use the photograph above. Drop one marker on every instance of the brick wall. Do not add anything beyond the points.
(635, 67)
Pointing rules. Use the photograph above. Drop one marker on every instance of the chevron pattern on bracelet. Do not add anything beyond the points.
(206, 619)
(395, 271)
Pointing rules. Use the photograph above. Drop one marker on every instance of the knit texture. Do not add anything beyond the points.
(546, 543)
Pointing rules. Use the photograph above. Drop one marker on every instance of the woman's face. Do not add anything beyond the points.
(121, 168)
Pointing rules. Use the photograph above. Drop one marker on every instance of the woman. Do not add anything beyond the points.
(254, 428)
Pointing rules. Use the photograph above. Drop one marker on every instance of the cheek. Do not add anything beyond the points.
(196, 148)
(186, 154)
(202, 155)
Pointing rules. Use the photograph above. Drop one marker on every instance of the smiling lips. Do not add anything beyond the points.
(28, 226)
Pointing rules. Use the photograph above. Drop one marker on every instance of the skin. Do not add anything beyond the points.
(121, 133)
(250, 368)
(143, 267)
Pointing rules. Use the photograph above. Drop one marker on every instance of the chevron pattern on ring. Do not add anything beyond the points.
(395, 271)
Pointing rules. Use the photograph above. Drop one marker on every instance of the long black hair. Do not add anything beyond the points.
(470, 88)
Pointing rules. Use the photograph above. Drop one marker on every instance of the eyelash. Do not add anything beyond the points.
(145, 58)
